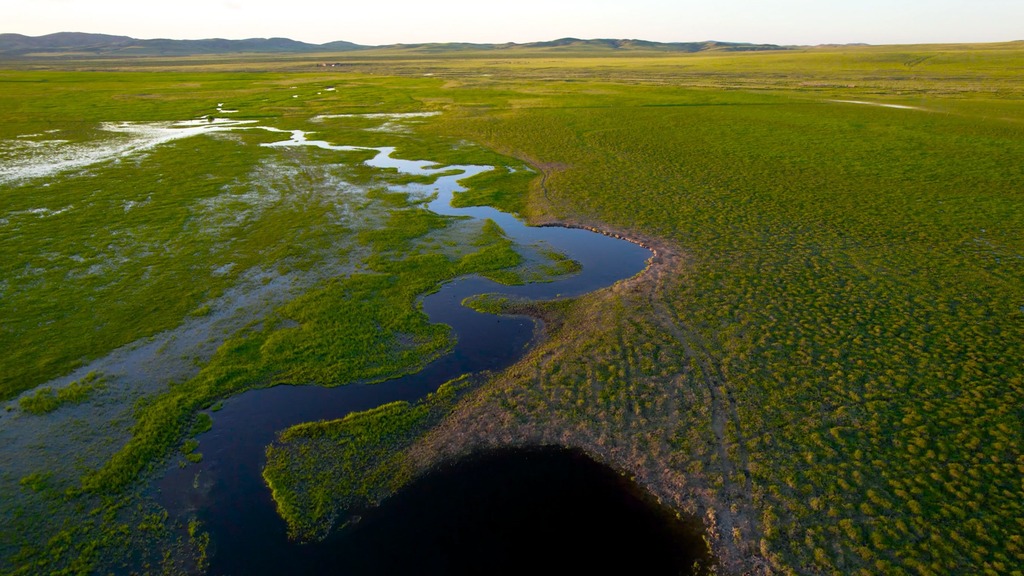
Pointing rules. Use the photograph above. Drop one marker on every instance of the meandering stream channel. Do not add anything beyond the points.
(226, 490)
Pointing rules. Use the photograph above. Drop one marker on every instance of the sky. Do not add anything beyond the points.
(377, 22)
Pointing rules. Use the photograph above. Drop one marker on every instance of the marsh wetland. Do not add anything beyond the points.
(249, 302)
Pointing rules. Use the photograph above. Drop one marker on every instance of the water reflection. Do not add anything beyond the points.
(515, 511)
(226, 490)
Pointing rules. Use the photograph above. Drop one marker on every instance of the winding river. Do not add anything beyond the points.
(226, 490)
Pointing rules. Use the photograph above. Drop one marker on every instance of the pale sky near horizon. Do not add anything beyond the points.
(377, 22)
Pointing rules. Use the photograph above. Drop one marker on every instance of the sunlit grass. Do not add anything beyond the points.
(854, 277)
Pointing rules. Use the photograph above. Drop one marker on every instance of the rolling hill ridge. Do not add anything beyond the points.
(79, 43)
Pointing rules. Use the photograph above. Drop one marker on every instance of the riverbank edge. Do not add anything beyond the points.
(453, 439)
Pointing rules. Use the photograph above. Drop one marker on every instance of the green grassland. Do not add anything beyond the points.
(853, 290)
(825, 361)
(119, 251)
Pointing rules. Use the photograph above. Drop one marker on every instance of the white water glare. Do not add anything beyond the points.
(38, 159)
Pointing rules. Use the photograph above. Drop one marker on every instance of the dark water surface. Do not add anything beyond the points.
(516, 511)
(227, 493)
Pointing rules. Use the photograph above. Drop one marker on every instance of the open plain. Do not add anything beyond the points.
(823, 361)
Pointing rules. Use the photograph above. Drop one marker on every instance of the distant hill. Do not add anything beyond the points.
(613, 44)
(68, 43)
(60, 42)
(595, 45)
(78, 43)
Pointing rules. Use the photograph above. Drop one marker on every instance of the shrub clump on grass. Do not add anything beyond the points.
(46, 400)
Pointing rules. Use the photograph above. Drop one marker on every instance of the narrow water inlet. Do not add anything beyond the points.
(226, 491)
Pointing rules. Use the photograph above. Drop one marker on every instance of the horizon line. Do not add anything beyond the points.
(520, 43)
